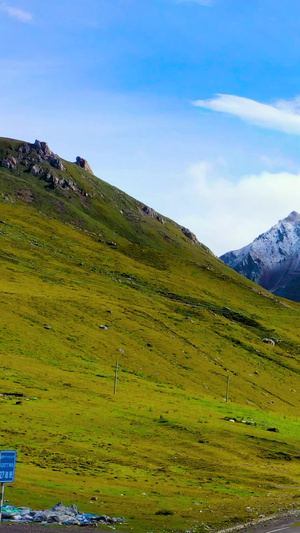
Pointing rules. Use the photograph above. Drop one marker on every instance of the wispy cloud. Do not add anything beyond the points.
(283, 115)
(16, 13)
(274, 160)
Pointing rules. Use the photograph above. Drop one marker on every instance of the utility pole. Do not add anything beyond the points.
(227, 391)
(116, 377)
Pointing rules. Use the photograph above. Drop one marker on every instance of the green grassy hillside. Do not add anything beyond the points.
(89, 277)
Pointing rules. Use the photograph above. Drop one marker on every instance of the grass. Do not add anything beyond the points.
(167, 452)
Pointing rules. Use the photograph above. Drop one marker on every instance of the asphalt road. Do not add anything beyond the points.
(286, 528)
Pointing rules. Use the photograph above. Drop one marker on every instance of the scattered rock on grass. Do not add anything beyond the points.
(10, 163)
(269, 341)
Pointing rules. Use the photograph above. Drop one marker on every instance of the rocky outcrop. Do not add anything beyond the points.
(9, 162)
(36, 170)
(39, 152)
(55, 182)
(83, 164)
(189, 234)
(55, 162)
(34, 156)
(42, 148)
(152, 214)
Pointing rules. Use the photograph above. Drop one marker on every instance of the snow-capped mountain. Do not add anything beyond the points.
(272, 259)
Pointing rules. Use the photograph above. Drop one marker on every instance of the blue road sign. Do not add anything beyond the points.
(8, 461)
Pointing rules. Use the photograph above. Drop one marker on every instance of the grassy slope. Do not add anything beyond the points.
(179, 323)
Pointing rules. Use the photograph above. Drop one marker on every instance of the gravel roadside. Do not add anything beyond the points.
(267, 524)
(262, 525)
(11, 527)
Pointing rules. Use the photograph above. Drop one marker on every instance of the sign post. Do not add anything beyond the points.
(8, 461)
(1, 501)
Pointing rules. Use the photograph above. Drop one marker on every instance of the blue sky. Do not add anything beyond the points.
(191, 106)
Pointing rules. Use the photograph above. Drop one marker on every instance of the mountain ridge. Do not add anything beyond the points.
(37, 162)
(273, 259)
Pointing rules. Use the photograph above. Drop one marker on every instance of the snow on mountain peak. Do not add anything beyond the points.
(293, 217)
(273, 258)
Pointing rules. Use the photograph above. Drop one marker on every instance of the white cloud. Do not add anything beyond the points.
(284, 115)
(14, 12)
(227, 215)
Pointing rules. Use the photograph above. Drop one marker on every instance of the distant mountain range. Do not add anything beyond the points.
(273, 259)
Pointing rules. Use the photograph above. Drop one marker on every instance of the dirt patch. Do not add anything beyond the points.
(25, 195)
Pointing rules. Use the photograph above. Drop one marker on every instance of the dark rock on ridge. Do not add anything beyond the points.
(152, 214)
(39, 152)
(189, 234)
(83, 164)
(43, 153)
(33, 156)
